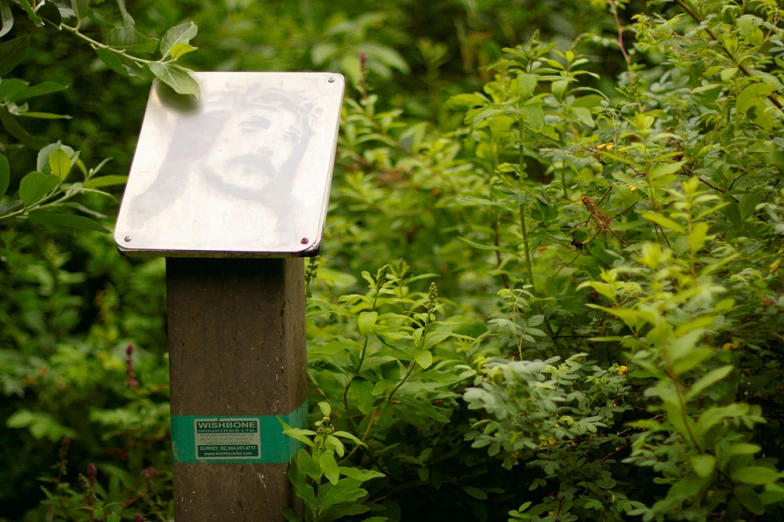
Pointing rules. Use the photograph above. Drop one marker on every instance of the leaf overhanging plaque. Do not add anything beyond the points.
(243, 171)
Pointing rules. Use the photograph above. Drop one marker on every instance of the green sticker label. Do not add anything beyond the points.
(239, 439)
(219, 438)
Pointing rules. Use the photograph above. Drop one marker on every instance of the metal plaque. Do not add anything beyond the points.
(244, 171)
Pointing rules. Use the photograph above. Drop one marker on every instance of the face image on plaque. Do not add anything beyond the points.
(246, 169)
(274, 136)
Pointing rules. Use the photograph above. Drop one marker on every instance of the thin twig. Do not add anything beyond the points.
(622, 212)
(620, 36)
(496, 234)
(373, 415)
(96, 44)
(526, 244)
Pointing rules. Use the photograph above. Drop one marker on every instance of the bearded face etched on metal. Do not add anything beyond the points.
(244, 171)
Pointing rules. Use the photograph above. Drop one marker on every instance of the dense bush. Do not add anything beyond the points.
(544, 294)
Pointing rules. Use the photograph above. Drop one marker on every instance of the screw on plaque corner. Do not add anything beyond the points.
(304, 241)
(331, 79)
(128, 239)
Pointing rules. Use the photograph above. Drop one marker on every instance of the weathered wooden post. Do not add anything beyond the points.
(233, 189)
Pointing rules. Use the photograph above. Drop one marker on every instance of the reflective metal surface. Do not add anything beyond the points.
(245, 171)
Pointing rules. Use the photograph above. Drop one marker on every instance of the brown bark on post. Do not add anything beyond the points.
(236, 348)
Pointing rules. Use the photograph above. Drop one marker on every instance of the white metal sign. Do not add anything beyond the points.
(244, 171)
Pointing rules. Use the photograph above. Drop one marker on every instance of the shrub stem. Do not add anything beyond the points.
(526, 244)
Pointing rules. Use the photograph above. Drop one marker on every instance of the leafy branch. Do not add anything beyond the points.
(714, 36)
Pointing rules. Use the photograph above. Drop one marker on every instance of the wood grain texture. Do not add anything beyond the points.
(236, 347)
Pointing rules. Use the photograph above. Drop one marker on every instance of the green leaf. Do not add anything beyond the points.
(349, 436)
(589, 101)
(36, 185)
(10, 86)
(385, 55)
(755, 475)
(630, 317)
(329, 466)
(715, 415)
(728, 73)
(666, 169)
(181, 49)
(80, 8)
(465, 101)
(12, 53)
(322, 52)
(703, 464)
(20, 419)
(708, 380)
(7, 17)
(752, 94)
(59, 163)
(686, 488)
(367, 323)
(179, 34)
(559, 88)
(475, 492)
(742, 448)
(298, 433)
(127, 18)
(691, 360)
(105, 181)
(112, 60)
(424, 358)
(749, 499)
(40, 425)
(697, 237)
(360, 394)
(131, 40)
(602, 288)
(49, 12)
(346, 490)
(527, 84)
(479, 246)
(435, 338)
(584, 116)
(67, 220)
(12, 126)
(363, 475)
(533, 115)
(38, 90)
(706, 88)
(350, 65)
(308, 465)
(42, 162)
(771, 497)
(748, 204)
(44, 115)
(5, 175)
(663, 221)
(176, 77)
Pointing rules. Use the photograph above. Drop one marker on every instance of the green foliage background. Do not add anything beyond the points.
(550, 284)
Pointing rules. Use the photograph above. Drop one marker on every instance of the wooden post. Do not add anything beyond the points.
(230, 206)
(237, 353)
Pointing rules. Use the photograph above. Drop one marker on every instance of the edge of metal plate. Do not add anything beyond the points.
(308, 248)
